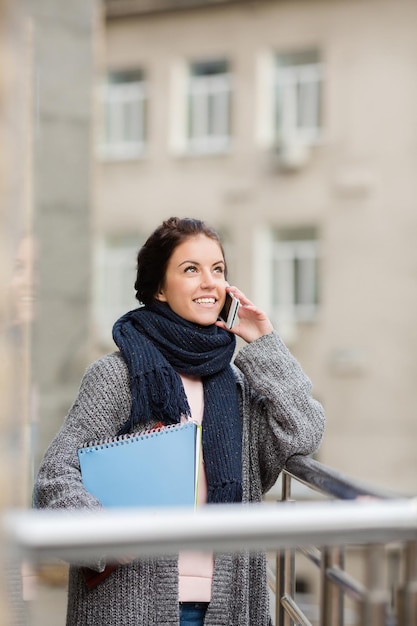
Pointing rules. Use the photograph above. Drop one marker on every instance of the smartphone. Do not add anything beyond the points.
(229, 312)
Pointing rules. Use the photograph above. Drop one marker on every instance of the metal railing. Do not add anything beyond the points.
(355, 516)
(380, 602)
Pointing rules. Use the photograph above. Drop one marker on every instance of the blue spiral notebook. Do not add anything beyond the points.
(152, 469)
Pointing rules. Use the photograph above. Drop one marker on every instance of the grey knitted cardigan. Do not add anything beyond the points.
(280, 418)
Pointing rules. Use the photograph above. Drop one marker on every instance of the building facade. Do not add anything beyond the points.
(290, 127)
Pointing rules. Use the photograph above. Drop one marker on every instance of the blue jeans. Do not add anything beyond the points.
(192, 613)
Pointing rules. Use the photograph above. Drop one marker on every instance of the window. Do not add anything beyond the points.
(115, 270)
(295, 294)
(298, 86)
(124, 115)
(209, 95)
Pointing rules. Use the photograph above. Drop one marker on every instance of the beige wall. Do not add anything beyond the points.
(359, 189)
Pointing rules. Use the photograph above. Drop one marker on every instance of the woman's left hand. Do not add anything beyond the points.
(252, 324)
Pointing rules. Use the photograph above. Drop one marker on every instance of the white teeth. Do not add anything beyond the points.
(205, 300)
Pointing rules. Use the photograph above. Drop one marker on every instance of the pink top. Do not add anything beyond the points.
(196, 568)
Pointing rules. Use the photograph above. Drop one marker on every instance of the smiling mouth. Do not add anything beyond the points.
(205, 300)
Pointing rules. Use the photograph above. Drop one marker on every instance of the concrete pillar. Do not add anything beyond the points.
(63, 82)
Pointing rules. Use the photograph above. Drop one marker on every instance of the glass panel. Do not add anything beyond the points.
(209, 68)
(298, 57)
(121, 77)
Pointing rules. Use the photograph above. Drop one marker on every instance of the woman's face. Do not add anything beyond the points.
(194, 285)
(24, 280)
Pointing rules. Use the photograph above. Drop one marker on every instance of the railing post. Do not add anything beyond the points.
(331, 598)
(374, 605)
(284, 567)
(338, 595)
(395, 559)
(407, 594)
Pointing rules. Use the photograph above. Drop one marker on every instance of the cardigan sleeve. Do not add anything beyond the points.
(102, 405)
(284, 417)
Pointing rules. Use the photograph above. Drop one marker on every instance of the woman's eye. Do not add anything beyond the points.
(190, 268)
(219, 269)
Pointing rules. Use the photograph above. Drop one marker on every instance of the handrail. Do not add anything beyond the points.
(330, 482)
(76, 534)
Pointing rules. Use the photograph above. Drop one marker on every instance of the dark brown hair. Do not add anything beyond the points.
(154, 255)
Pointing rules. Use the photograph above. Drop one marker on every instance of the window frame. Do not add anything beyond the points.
(296, 280)
(209, 103)
(298, 93)
(114, 269)
(124, 104)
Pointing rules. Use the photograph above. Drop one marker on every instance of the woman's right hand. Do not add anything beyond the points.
(253, 322)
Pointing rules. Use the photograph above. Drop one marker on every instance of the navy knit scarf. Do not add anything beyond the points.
(157, 346)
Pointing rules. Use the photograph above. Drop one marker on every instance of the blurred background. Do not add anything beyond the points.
(290, 126)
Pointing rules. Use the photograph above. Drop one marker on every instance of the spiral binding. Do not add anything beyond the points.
(130, 437)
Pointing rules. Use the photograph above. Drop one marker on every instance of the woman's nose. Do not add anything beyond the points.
(207, 280)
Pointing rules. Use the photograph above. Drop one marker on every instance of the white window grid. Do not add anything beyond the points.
(295, 281)
(209, 113)
(298, 92)
(124, 110)
(115, 271)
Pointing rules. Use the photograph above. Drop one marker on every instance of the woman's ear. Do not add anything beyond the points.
(160, 296)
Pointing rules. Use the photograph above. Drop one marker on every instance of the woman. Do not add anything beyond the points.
(174, 362)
